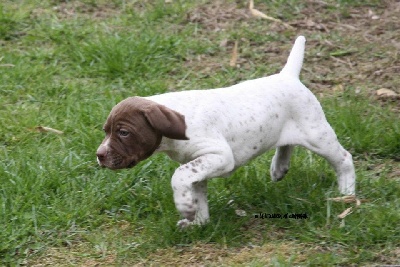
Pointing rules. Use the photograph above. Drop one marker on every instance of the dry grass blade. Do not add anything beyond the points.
(7, 65)
(251, 4)
(259, 14)
(345, 199)
(234, 57)
(301, 199)
(241, 213)
(345, 213)
(44, 129)
(384, 92)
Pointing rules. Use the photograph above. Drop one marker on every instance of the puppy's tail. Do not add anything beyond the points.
(295, 60)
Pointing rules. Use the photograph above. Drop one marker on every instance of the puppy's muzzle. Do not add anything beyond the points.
(101, 154)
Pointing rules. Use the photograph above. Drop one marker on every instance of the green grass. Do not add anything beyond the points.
(65, 64)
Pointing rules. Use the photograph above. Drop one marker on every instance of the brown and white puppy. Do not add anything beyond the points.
(213, 132)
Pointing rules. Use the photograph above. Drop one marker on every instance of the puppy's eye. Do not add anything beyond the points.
(123, 133)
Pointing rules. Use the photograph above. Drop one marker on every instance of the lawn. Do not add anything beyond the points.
(65, 64)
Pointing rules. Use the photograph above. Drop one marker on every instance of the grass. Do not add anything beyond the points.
(64, 64)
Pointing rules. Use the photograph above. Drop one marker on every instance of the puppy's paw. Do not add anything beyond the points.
(347, 189)
(277, 174)
(185, 223)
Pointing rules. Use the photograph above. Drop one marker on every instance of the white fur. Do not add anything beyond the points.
(227, 127)
(105, 144)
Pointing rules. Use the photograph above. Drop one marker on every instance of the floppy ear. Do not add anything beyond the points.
(168, 122)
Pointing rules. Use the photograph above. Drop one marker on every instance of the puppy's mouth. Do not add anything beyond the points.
(119, 167)
(116, 165)
(132, 164)
(101, 164)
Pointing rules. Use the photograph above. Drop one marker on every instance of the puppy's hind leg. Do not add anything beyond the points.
(280, 162)
(323, 141)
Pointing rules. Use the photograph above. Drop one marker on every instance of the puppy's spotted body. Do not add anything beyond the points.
(213, 132)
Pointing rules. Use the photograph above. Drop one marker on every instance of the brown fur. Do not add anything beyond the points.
(134, 130)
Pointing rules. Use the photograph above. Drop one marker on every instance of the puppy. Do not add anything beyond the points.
(213, 132)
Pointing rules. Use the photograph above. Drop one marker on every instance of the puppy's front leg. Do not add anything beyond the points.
(194, 210)
(189, 184)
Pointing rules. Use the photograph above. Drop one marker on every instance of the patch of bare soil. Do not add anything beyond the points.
(72, 9)
(355, 47)
(218, 15)
(366, 50)
(214, 255)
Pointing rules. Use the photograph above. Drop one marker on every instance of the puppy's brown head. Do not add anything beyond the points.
(134, 130)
